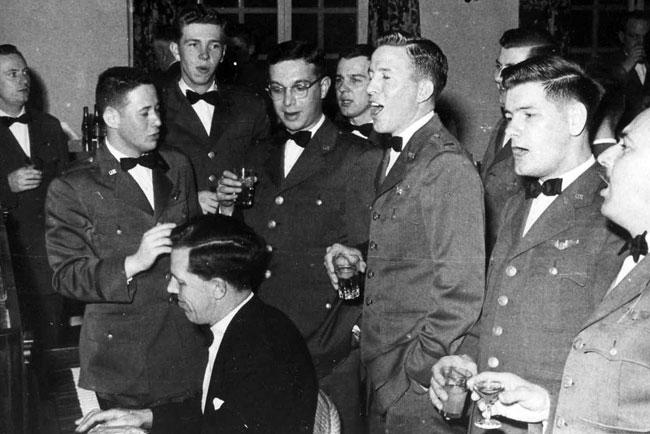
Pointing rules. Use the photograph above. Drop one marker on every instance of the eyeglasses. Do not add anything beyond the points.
(299, 90)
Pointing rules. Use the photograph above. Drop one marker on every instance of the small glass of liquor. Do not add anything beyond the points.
(456, 388)
(348, 276)
(248, 179)
(489, 391)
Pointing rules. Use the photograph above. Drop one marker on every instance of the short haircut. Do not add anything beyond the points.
(561, 79)
(540, 41)
(429, 62)
(634, 15)
(359, 50)
(6, 49)
(115, 83)
(223, 247)
(197, 14)
(298, 50)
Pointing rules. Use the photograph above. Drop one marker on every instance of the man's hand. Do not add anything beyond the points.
(208, 201)
(351, 253)
(229, 187)
(464, 364)
(115, 421)
(155, 242)
(23, 179)
(636, 55)
(521, 400)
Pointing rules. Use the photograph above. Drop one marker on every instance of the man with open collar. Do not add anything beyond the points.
(555, 252)
(108, 226)
(425, 265)
(217, 126)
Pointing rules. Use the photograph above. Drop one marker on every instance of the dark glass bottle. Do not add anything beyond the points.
(86, 136)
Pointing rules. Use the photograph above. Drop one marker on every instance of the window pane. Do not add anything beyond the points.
(231, 18)
(304, 3)
(220, 3)
(265, 30)
(305, 27)
(260, 3)
(340, 3)
(341, 32)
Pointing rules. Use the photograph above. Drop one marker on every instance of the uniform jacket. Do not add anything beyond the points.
(425, 276)
(300, 216)
(26, 219)
(499, 180)
(262, 381)
(606, 377)
(542, 287)
(636, 93)
(239, 124)
(133, 341)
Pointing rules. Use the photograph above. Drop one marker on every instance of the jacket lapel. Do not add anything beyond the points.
(162, 188)
(274, 164)
(222, 117)
(183, 115)
(10, 145)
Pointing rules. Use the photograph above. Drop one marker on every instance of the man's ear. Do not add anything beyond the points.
(425, 90)
(219, 286)
(325, 84)
(576, 117)
(173, 47)
(111, 117)
(223, 53)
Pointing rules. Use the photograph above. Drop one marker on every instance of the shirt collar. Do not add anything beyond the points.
(414, 127)
(219, 328)
(114, 151)
(184, 87)
(316, 126)
(575, 173)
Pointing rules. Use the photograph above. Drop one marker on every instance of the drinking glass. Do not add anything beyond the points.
(488, 390)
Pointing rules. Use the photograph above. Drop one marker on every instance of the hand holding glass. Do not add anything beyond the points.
(348, 276)
(489, 391)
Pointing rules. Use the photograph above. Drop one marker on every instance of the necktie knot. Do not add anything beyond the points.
(211, 97)
(150, 160)
(364, 129)
(301, 137)
(9, 121)
(637, 246)
(395, 143)
(550, 187)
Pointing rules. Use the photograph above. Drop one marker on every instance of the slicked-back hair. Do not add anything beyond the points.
(298, 50)
(359, 50)
(540, 41)
(115, 83)
(197, 14)
(6, 49)
(223, 247)
(562, 80)
(429, 62)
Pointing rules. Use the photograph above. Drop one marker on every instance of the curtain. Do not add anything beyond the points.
(552, 15)
(386, 16)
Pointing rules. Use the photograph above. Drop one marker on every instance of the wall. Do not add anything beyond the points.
(468, 34)
(67, 43)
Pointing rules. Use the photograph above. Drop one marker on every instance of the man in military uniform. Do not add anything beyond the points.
(351, 83)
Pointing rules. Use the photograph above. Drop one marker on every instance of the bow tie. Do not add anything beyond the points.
(211, 97)
(637, 246)
(9, 121)
(150, 160)
(550, 187)
(364, 129)
(301, 137)
(395, 143)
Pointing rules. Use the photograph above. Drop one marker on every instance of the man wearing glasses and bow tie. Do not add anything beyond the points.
(33, 152)
(215, 125)
(109, 221)
(301, 207)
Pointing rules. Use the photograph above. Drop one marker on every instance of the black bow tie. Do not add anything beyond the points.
(301, 137)
(150, 160)
(9, 121)
(395, 143)
(637, 246)
(364, 129)
(211, 97)
(550, 187)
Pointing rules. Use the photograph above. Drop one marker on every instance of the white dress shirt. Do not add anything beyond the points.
(142, 175)
(218, 330)
(406, 136)
(203, 110)
(641, 70)
(20, 132)
(541, 202)
(292, 151)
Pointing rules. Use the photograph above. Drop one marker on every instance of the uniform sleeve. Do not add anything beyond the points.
(452, 208)
(79, 272)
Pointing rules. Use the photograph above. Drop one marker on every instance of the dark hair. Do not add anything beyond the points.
(359, 50)
(540, 41)
(561, 79)
(115, 83)
(6, 49)
(223, 247)
(197, 14)
(298, 50)
(634, 15)
(428, 59)
(165, 33)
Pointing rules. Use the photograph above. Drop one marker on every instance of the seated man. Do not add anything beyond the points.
(259, 376)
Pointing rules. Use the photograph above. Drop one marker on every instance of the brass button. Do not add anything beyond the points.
(371, 274)
(210, 155)
(511, 271)
(578, 344)
(493, 362)
(553, 271)
(560, 422)
(279, 200)
(502, 300)
(212, 178)
(372, 245)
(269, 248)
(319, 202)
(328, 306)
(497, 331)
(568, 382)
(118, 231)
(375, 215)
(613, 352)
(271, 224)
(267, 274)
(109, 336)
(368, 301)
